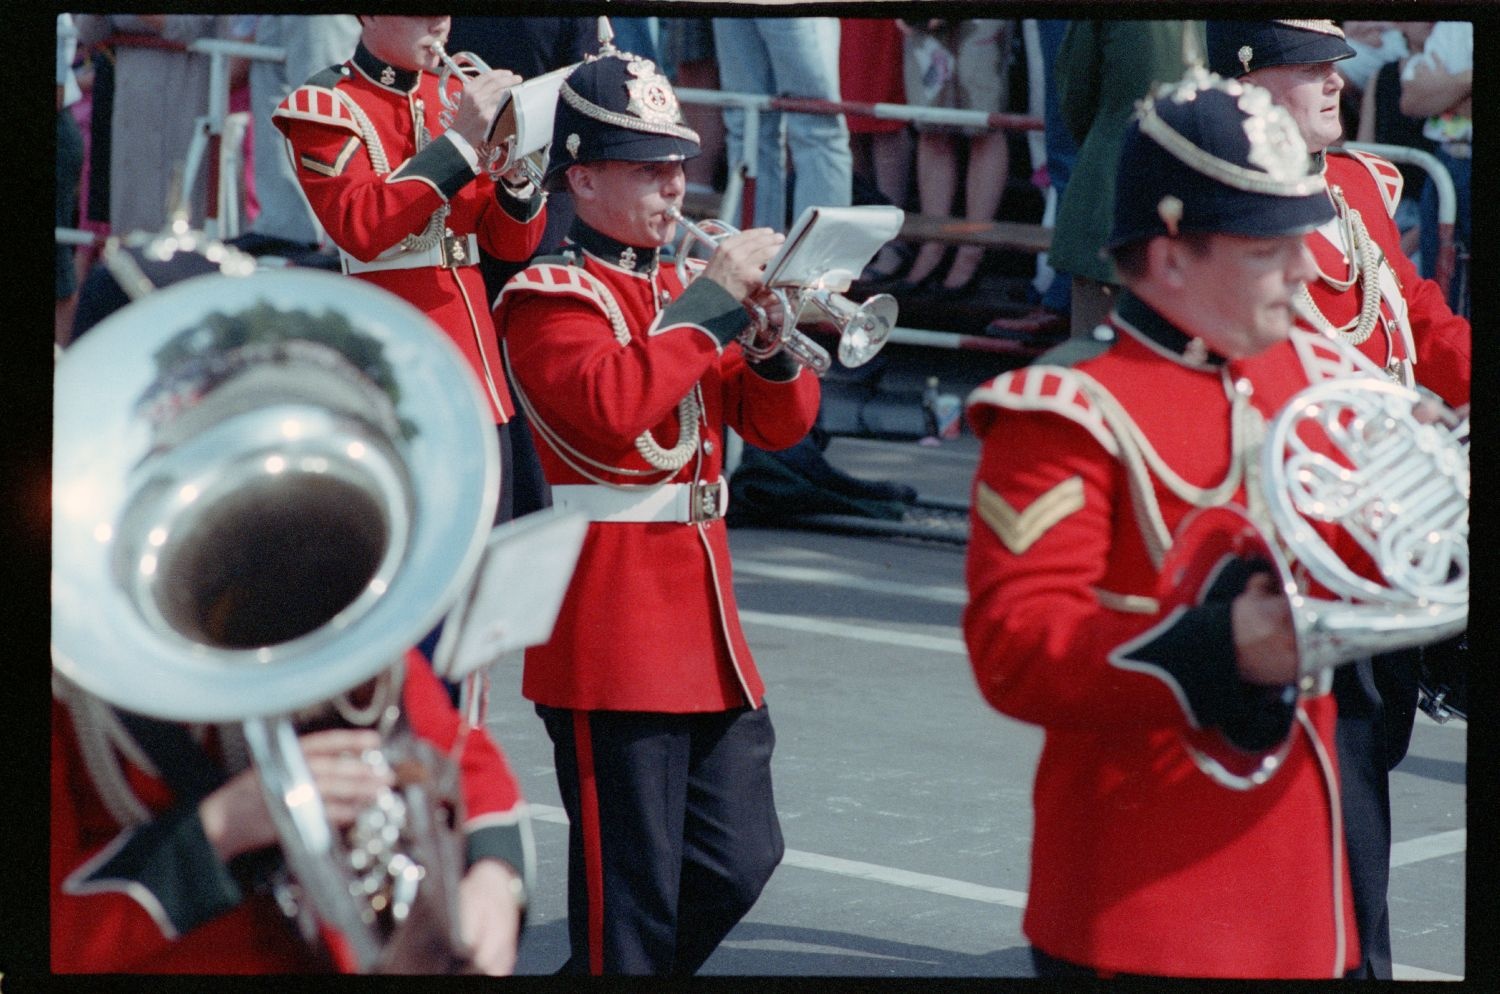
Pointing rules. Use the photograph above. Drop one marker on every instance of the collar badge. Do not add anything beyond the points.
(1245, 54)
(627, 258)
(388, 76)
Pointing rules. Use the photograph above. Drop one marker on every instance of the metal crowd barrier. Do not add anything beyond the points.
(219, 140)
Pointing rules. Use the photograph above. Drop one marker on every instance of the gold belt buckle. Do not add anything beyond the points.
(705, 502)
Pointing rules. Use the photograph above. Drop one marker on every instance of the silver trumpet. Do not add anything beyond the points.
(496, 151)
(863, 329)
(256, 512)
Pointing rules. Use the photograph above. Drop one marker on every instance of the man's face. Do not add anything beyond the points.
(405, 42)
(1238, 294)
(1310, 93)
(628, 200)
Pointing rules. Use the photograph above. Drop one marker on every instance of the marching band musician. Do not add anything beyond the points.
(1366, 290)
(409, 205)
(161, 853)
(1142, 861)
(648, 690)
(164, 857)
(1368, 293)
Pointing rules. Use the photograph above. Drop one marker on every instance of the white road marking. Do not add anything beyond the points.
(1429, 847)
(838, 578)
(1400, 971)
(860, 633)
(1414, 850)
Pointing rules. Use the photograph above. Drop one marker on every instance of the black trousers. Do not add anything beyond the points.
(1377, 702)
(673, 832)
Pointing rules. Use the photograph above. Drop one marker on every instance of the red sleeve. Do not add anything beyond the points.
(366, 213)
(489, 787)
(769, 414)
(1041, 531)
(1441, 337)
(363, 213)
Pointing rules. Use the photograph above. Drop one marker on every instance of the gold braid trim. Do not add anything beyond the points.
(1365, 259)
(1143, 464)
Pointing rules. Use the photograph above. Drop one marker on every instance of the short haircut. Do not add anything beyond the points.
(1130, 258)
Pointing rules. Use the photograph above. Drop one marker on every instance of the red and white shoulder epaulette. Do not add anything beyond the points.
(1388, 178)
(1055, 389)
(319, 104)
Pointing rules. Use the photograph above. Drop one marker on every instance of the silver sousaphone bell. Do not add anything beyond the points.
(265, 490)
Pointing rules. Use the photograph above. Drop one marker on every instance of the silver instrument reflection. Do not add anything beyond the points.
(862, 328)
(257, 511)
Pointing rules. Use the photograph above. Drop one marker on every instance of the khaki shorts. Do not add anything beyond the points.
(963, 65)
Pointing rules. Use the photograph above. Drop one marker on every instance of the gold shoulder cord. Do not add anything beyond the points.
(689, 411)
(1365, 259)
(438, 222)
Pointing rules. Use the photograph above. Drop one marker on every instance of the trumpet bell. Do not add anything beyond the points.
(867, 329)
(265, 489)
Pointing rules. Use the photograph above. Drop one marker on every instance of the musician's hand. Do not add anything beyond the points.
(480, 103)
(489, 917)
(235, 818)
(1265, 644)
(740, 260)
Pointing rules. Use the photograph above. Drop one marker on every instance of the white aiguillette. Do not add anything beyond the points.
(516, 593)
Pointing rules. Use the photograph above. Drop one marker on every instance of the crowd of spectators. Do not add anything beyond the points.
(132, 92)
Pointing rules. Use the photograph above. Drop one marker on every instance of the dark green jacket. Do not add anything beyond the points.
(1102, 69)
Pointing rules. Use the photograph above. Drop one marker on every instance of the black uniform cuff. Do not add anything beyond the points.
(1196, 653)
(709, 306)
(172, 859)
(502, 842)
(779, 368)
(440, 163)
(521, 208)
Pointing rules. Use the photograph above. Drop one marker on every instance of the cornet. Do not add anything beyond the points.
(496, 152)
(863, 328)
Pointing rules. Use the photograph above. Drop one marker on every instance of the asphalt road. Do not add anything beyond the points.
(904, 799)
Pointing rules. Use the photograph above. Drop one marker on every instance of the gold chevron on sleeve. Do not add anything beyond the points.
(1019, 530)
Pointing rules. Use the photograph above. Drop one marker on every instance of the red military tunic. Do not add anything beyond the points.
(154, 897)
(353, 138)
(1141, 862)
(650, 621)
(1414, 334)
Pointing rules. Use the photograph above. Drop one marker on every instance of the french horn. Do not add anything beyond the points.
(1366, 488)
(863, 328)
(265, 490)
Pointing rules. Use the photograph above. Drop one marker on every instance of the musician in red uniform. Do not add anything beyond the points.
(409, 203)
(1368, 293)
(164, 857)
(1154, 850)
(162, 850)
(1366, 290)
(647, 688)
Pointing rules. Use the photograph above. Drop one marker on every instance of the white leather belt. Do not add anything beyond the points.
(684, 503)
(447, 253)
